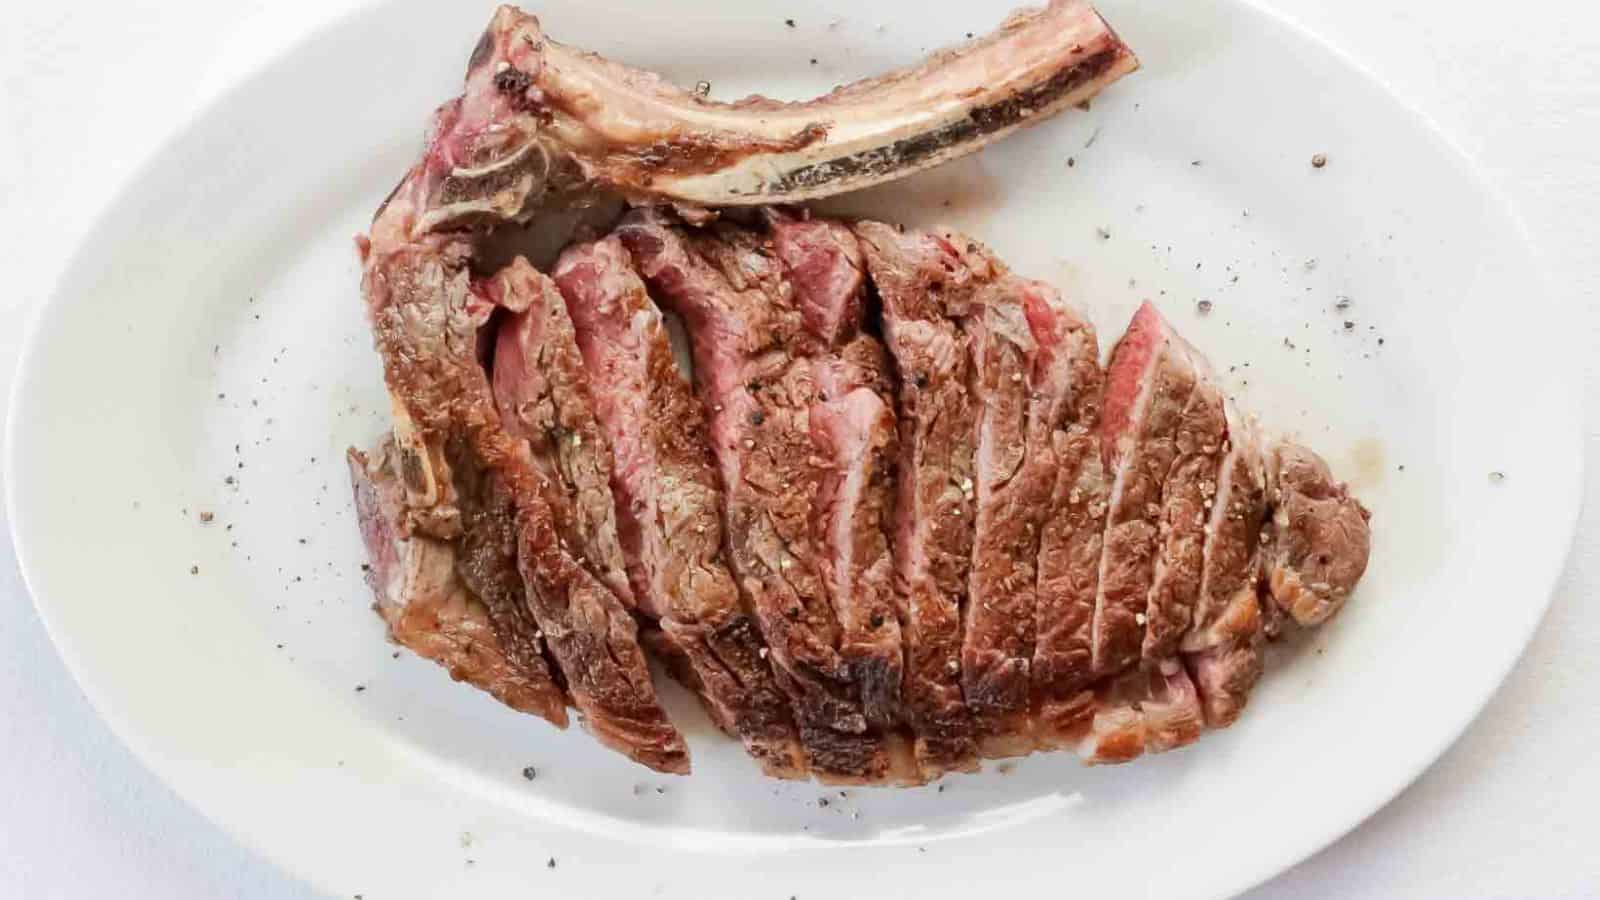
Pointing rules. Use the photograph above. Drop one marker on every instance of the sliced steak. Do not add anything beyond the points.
(1161, 431)
(540, 390)
(425, 321)
(749, 347)
(568, 551)
(922, 283)
(1070, 545)
(669, 502)
(1023, 372)
(852, 429)
(1187, 497)
(1319, 536)
(428, 608)
(467, 478)
(1223, 648)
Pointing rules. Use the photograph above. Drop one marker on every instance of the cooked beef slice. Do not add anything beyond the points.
(922, 283)
(540, 390)
(1187, 497)
(668, 503)
(749, 346)
(461, 468)
(427, 606)
(1070, 545)
(1156, 415)
(596, 643)
(425, 321)
(1223, 648)
(852, 428)
(1319, 536)
(1026, 347)
(1143, 710)
(567, 550)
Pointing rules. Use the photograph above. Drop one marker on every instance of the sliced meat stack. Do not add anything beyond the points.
(669, 503)
(427, 606)
(798, 428)
(999, 377)
(900, 520)
(919, 284)
(569, 553)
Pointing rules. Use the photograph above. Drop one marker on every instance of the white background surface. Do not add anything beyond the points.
(88, 89)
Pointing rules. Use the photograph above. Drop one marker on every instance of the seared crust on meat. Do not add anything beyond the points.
(1224, 646)
(541, 391)
(419, 591)
(1319, 539)
(568, 551)
(932, 535)
(669, 503)
(852, 427)
(1073, 536)
(757, 385)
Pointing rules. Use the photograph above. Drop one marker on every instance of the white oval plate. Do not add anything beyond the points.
(206, 352)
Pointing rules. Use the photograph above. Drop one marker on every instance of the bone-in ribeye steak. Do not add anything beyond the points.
(901, 519)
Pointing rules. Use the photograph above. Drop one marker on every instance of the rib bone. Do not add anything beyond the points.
(542, 124)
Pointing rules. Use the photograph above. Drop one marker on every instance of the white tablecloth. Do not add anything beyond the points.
(88, 89)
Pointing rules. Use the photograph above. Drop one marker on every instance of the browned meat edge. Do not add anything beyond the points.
(933, 511)
(669, 503)
(757, 393)
(428, 608)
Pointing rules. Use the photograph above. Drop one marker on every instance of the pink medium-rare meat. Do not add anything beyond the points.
(447, 445)
(539, 388)
(921, 284)
(539, 121)
(823, 261)
(1161, 429)
(1223, 648)
(467, 479)
(745, 336)
(849, 425)
(1023, 383)
(1011, 491)
(427, 606)
(568, 551)
(852, 428)
(669, 502)
(1319, 537)
(1187, 497)
(1070, 545)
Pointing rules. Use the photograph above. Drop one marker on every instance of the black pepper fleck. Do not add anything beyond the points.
(529, 773)
(1319, 160)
